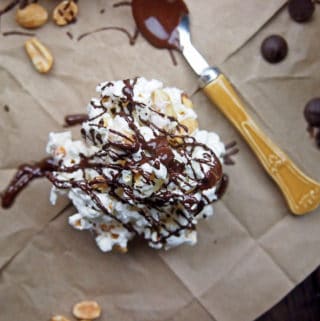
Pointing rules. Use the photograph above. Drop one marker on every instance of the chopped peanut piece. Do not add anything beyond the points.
(65, 12)
(60, 150)
(59, 318)
(89, 310)
(191, 124)
(120, 249)
(186, 100)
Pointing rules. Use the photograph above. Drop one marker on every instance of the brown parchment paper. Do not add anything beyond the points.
(248, 256)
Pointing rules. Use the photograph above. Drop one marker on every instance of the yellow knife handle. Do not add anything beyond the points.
(301, 192)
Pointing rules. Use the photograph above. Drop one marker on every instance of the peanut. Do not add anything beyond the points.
(100, 184)
(104, 227)
(161, 98)
(170, 111)
(59, 318)
(88, 310)
(105, 99)
(186, 100)
(60, 150)
(32, 16)
(191, 124)
(65, 12)
(120, 249)
(40, 56)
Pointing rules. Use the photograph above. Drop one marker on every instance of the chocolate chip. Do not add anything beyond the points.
(312, 112)
(6, 108)
(274, 49)
(301, 10)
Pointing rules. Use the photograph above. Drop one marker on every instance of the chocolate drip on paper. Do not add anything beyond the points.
(231, 150)
(173, 58)
(70, 35)
(75, 119)
(25, 174)
(178, 205)
(12, 4)
(132, 38)
(18, 33)
(122, 4)
(9, 7)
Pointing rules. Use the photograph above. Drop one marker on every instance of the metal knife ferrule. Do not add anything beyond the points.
(208, 75)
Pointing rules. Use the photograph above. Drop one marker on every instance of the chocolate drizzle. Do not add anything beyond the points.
(168, 210)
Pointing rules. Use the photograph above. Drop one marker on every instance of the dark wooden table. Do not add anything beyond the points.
(301, 304)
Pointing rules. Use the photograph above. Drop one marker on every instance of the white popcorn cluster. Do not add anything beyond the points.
(144, 167)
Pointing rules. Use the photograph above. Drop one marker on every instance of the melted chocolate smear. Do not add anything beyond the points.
(25, 174)
(18, 33)
(132, 38)
(221, 190)
(158, 20)
(173, 58)
(158, 150)
(75, 119)
(122, 4)
(210, 179)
